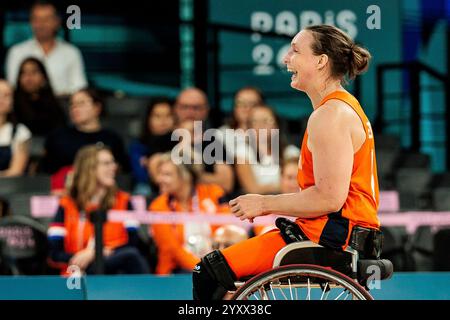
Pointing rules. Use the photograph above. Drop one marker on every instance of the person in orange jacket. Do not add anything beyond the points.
(71, 234)
(180, 246)
(337, 173)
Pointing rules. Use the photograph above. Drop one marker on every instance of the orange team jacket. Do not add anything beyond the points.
(360, 208)
(170, 238)
(77, 233)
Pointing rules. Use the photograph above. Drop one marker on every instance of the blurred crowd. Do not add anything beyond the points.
(83, 156)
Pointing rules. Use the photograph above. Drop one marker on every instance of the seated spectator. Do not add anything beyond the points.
(62, 60)
(14, 137)
(288, 184)
(180, 246)
(71, 234)
(155, 138)
(244, 100)
(257, 169)
(289, 171)
(62, 145)
(192, 105)
(228, 235)
(35, 105)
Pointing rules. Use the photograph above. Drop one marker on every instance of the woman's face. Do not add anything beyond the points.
(6, 98)
(289, 182)
(106, 169)
(301, 61)
(169, 179)
(262, 120)
(83, 109)
(31, 78)
(245, 101)
(161, 120)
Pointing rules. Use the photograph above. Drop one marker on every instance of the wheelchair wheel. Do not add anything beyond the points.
(301, 282)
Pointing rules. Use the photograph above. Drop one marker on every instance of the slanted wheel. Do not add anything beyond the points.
(301, 282)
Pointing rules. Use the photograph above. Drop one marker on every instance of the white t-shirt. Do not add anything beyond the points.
(267, 170)
(232, 140)
(64, 64)
(21, 135)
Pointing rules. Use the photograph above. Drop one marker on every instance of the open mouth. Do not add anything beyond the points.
(294, 73)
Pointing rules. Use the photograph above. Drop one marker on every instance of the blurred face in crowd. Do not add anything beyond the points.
(106, 169)
(83, 109)
(245, 100)
(262, 118)
(228, 235)
(169, 179)
(161, 120)
(44, 22)
(289, 182)
(6, 98)
(191, 104)
(31, 78)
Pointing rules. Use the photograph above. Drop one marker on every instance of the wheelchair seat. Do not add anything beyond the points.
(346, 262)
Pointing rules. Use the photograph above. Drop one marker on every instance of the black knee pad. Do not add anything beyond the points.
(212, 277)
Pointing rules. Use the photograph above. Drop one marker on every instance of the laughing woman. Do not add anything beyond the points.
(71, 235)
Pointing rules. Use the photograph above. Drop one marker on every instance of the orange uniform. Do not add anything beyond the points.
(170, 239)
(333, 230)
(74, 231)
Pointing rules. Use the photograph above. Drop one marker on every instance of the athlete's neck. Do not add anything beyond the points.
(317, 94)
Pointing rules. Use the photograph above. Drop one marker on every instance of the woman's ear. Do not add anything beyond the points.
(322, 61)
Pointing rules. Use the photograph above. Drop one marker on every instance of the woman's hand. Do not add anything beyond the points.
(83, 258)
(248, 206)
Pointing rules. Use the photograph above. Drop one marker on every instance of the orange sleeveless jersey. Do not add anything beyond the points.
(360, 208)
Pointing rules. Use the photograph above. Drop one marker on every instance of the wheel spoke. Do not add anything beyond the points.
(324, 290)
(282, 292)
(340, 295)
(263, 294)
(308, 297)
(273, 293)
(290, 288)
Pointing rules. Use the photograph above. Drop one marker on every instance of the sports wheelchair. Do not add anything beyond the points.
(308, 271)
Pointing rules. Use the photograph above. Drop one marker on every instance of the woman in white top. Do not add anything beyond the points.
(244, 100)
(14, 137)
(258, 161)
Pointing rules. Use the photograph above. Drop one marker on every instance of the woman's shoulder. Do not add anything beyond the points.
(208, 190)
(22, 131)
(14, 133)
(160, 202)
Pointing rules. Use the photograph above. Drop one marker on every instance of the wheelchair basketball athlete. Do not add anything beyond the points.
(337, 204)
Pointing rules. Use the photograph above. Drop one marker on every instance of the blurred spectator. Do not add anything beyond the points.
(192, 109)
(180, 246)
(244, 100)
(289, 171)
(62, 145)
(35, 105)
(228, 235)
(71, 236)
(257, 168)
(62, 60)
(288, 184)
(155, 138)
(14, 137)
(192, 104)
